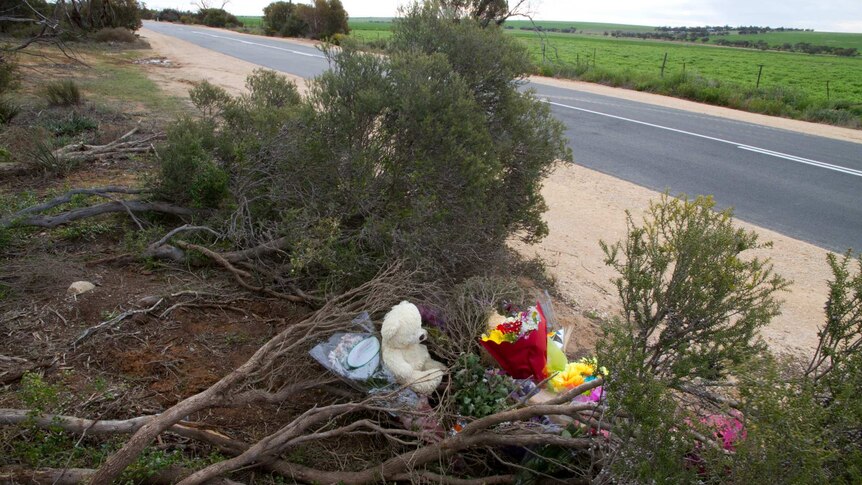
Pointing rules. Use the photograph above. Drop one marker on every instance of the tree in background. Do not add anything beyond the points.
(322, 20)
(99, 14)
(281, 18)
(217, 17)
(483, 11)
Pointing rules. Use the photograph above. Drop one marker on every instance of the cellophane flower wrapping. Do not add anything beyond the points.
(520, 344)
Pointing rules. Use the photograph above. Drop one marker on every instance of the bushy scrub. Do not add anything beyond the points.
(692, 301)
(62, 93)
(430, 154)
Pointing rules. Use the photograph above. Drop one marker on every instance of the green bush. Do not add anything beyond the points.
(188, 173)
(72, 125)
(8, 73)
(62, 93)
(9, 109)
(217, 17)
(692, 302)
(431, 154)
(115, 34)
(281, 18)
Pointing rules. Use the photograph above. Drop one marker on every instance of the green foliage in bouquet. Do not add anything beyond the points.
(478, 393)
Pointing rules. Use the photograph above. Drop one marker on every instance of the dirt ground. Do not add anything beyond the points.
(587, 206)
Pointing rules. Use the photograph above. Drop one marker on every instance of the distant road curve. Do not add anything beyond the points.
(804, 186)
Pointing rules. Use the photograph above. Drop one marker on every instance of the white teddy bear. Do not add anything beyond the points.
(403, 353)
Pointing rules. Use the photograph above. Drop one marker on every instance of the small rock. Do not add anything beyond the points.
(149, 300)
(80, 287)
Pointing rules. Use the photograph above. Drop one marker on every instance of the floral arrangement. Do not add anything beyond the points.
(577, 373)
(513, 327)
(519, 342)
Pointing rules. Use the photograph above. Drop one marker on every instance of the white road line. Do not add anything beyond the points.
(260, 45)
(763, 151)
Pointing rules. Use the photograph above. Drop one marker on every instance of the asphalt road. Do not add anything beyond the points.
(803, 186)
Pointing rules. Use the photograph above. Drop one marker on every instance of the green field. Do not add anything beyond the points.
(832, 39)
(250, 21)
(805, 73)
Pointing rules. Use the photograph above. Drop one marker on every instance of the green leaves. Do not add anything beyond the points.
(692, 302)
(478, 392)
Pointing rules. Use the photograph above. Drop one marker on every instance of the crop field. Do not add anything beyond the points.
(805, 73)
(832, 39)
(250, 21)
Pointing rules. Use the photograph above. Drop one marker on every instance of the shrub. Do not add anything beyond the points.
(431, 154)
(8, 109)
(692, 303)
(62, 93)
(169, 15)
(115, 34)
(281, 18)
(8, 73)
(188, 172)
(217, 17)
(72, 125)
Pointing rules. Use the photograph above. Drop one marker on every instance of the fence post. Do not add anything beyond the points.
(758, 76)
(663, 64)
(594, 57)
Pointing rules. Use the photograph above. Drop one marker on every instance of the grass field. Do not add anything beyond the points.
(250, 21)
(804, 73)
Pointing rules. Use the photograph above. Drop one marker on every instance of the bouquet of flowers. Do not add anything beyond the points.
(519, 342)
(577, 373)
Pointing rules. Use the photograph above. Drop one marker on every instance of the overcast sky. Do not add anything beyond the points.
(822, 15)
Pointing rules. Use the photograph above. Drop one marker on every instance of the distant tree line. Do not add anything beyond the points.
(25, 18)
(788, 47)
(742, 29)
(703, 34)
(322, 20)
(539, 28)
(209, 16)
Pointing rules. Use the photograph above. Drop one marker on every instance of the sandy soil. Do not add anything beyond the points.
(191, 64)
(585, 206)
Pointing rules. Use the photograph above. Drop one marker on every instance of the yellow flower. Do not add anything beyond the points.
(572, 377)
(495, 336)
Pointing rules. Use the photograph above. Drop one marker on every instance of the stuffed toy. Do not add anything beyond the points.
(403, 353)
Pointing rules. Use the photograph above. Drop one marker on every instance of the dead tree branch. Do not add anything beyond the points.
(106, 208)
(81, 152)
(110, 323)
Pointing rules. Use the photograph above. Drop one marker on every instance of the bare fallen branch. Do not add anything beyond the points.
(113, 322)
(66, 198)
(82, 152)
(239, 275)
(76, 476)
(106, 208)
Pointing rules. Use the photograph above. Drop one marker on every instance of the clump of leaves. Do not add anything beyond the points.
(479, 392)
(62, 93)
(71, 125)
(693, 303)
(9, 109)
(38, 395)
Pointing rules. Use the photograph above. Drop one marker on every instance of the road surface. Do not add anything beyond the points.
(803, 186)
